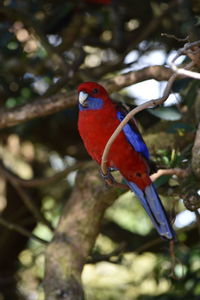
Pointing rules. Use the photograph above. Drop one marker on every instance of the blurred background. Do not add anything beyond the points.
(51, 46)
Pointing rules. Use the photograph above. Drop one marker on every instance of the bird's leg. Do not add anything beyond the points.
(110, 180)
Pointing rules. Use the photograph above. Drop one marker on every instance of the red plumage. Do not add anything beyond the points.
(96, 128)
(98, 118)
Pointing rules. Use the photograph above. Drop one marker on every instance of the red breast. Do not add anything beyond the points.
(95, 128)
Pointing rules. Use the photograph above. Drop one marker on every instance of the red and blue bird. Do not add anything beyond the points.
(99, 116)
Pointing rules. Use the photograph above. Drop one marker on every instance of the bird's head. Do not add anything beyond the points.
(91, 96)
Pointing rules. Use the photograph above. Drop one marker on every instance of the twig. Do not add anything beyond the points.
(152, 25)
(37, 182)
(195, 154)
(184, 51)
(21, 230)
(72, 69)
(32, 24)
(172, 36)
(30, 204)
(147, 245)
(97, 257)
(24, 196)
(197, 219)
(186, 73)
(129, 116)
(183, 173)
(156, 241)
(173, 259)
(132, 113)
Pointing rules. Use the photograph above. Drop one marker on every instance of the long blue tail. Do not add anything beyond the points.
(154, 208)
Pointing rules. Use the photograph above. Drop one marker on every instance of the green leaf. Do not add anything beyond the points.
(189, 95)
(161, 180)
(166, 113)
(175, 127)
(11, 102)
(12, 45)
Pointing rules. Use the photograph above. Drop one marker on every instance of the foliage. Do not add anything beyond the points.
(51, 46)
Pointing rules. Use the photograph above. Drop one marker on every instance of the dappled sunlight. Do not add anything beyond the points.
(70, 228)
(132, 277)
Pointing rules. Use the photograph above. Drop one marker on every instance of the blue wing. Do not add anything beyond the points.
(133, 136)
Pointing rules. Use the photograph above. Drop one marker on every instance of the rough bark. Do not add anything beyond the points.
(196, 154)
(75, 235)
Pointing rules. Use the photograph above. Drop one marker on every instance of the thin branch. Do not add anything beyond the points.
(147, 245)
(173, 259)
(64, 80)
(132, 113)
(129, 116)
(21, 230)
(37, 182)
(24, 196)
(154, 242)
(152, 25)
(182, 173)
(186, 50)
(172, 36)
(159, 73)
(97, 257)
(195, 154)
(32, 24)
(181, 71)
(30, 204)
(197, 219)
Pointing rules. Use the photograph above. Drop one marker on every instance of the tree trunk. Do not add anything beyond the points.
(75, 235)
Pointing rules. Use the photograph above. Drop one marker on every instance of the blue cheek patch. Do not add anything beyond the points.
(93, 104)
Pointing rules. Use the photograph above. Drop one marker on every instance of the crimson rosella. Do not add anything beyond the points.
(98, 118)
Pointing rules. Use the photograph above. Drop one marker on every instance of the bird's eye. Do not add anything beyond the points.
(95, 91)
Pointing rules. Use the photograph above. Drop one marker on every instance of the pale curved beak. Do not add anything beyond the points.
(83, 98)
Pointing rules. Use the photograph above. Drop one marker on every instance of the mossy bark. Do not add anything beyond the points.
(75, 235)
(196, 154)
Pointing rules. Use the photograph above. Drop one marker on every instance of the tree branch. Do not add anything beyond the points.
(37, 182)
(159, 73)
(75, 235)
(132, 113)
(28, 202)
(195, 154)
(182, 173)
(32, 24)
(48, 105)
(134, 242)
(193, 51)
(21, 230)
